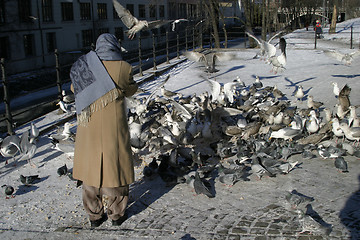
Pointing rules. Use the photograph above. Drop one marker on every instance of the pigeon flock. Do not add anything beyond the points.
(234, 133)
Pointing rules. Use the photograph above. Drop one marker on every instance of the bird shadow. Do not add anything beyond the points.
(145, 192)
(350, 214)
(187, 236)
(24, 189)
(310, 211)
(294, 84)
(346, 76)
(230, 70)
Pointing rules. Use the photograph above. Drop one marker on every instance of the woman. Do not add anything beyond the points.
(103, 157)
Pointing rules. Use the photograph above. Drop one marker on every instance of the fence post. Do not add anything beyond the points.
(8, 115)
(167, 47)
(315, 40)
(186, 39)
(140, 67)
(245, 39)
(193, 38)
(154, 52)
(177, 46)
(351, 38)
(201, 37)
(58, 79)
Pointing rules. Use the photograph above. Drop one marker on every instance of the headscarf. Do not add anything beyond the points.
(93, 86)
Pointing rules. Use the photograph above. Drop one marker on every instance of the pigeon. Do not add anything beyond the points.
(176, 22)
(336, 89)
(67, 147)
(10, 146)
(27, 149)
(33, 132)
(209, 59)
(299, 93)
(344, 100)
(28, 180)
(202, 187)
(267, 50)
(341, 164)
(9, 190)
(351, 133)
(297, 199)
(345, 58)
(313, 104)
(279, 62)
(63, 133)
(258, 169)
(67, 97)
(257, 83)
(62, 170)
(309, 224)
(66, 107)
(132, 23)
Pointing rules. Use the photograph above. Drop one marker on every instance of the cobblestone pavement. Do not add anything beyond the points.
(254, 209)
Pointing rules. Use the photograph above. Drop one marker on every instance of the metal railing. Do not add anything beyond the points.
(164, 46)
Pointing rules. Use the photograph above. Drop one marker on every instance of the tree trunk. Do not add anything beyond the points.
(333, 21)
(214, 23)
(263, 20)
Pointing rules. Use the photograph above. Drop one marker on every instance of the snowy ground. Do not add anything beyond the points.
(56, 201)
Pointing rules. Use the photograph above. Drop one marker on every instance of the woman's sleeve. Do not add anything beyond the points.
(132, 86)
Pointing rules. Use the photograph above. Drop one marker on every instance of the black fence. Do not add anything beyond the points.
(165, 46)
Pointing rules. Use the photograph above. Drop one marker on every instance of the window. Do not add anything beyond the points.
(4, 48)
(85, 11)
(142, 11)
(87, 38)
(47, 11)
(192, 11)
(24, 10)
(102, 11)
(2, 11)
(161, 11)
(67, 11)
(29, 46)
(130, 7)
(119, 33)
(51, 42)
(152, 11)
(102, 30)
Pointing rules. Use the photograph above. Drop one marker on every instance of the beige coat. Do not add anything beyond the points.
(103, 156)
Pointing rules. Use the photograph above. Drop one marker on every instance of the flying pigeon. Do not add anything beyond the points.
(132, 23)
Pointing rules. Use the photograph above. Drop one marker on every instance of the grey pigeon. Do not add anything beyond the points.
(9, 190)
(63, 170)
(28, 180)
(341, 164)
(202, 187)
(297, 199)
(309, 224)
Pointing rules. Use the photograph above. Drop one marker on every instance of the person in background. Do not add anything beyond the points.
(318, 29)
(103, 157)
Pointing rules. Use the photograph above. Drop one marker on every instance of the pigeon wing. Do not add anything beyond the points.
(215, 89)
(255, 38)
(158, 87)
(228, 90)
(195, 56)
(270, 49)
(274, 36)
(338, 56)
(125, 16)
(157, 24)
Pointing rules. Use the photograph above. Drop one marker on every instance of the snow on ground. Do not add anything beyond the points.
(56, 201)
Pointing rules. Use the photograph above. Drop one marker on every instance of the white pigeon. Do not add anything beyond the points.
(132, 23)
(66, 108)
(299, 94)
(267, 50)
(345, 58)
(33, 132)
(279, 62)
(209, 59)
(176, 22)
(336, 89)
(351, 133)
(223, 92)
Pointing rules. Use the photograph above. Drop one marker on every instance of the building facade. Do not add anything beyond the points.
(30, 30)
